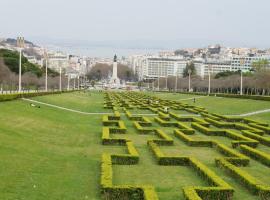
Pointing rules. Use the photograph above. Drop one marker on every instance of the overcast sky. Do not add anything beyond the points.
(186, 22)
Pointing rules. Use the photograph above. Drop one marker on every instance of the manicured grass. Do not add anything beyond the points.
(82, 101)
(48, 153)
(226, 106)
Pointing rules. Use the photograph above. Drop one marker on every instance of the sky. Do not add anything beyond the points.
(140, 23)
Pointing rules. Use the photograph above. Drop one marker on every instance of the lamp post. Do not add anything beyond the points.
(60, 78)
(78, 82)
(68, 82)
(241, 82)
(189, 72)
(166, 82)
(20, 44)
(209, 79)
(46, 70)
(74, 83)
(158, 76)
(242, 62)
(175, 86)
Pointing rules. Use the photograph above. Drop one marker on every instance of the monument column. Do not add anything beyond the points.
(114, 75)
(115, 81)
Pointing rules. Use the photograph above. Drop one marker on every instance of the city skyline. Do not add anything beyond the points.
(138, 25)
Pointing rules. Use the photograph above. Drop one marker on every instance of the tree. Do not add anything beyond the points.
(11, 59)
(260, 65)
(190, 66)
(102, 71)
(226, 74)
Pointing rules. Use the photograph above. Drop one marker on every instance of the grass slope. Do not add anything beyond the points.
(49, 153)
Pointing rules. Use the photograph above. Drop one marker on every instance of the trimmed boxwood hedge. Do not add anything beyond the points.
(189, 141)
(9, 97)
(253, 185)
(260, 156)
(261, 139)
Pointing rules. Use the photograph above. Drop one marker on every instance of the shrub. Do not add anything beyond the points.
(9, 97)
(262, 157)
(233, 156)
(261, 139)
(189, 141)
(260, 127)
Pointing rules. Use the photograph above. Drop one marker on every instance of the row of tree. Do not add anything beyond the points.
(33, 76)
(255, 82)
(103, 72)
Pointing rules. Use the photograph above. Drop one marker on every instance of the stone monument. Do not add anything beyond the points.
(115, 81)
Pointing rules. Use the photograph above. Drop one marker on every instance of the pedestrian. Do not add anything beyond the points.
(194, 100)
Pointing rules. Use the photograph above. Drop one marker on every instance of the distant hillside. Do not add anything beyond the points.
(13, 42)
(11, 60)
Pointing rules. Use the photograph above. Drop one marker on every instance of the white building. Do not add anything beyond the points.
(155, 67)
(57, 60)
(245, 62)
(204, 67)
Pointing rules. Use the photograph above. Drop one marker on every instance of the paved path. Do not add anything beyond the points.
(88, 113)
(253, 113)
(146, 114)
(197, 97)
(63, 108)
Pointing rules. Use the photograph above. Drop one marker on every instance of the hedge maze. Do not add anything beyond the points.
(240, 170)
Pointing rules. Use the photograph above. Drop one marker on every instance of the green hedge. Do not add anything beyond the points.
(253, 185)
(9, 97)
(189, 141)
(240, 139)
(141, 129)
(233, 156)
(254, 97)
(109, 191)
(165, 139)
(261, 139)
(260, 127)
(206, 130)
(219, 123)
(262, 157)
(107, 140)
(165, 123)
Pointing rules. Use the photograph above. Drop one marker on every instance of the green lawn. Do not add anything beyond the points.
(86, 102)
(220, 105)
(48, 153)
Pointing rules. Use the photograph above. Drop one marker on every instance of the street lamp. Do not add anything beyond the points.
(209, 79)
(241, 82)
(242, 62)
(158, 76)
(46, 70)
(74, 83)
(20, 44)
(60, 78)
(175, 83)
(167, 82)
(68, 81)
(78, 82)
(189, 72)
